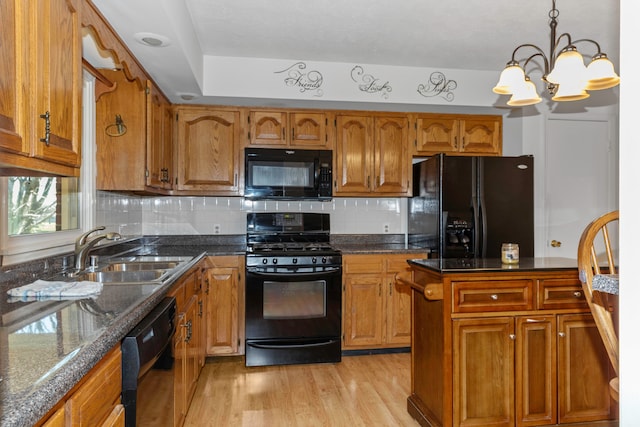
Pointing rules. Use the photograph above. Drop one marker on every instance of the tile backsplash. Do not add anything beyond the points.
(134, 215)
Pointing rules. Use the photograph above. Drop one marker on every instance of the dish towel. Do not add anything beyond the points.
(42, 289)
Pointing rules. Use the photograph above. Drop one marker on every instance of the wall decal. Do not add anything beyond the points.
(306, 81)
(438, 85)
(370, 84)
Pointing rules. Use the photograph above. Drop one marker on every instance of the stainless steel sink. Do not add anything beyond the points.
(141, 266)
(135, 276)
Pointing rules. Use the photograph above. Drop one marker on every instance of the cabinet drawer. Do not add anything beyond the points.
(503, 295)
(362, 264)
(96, 398)
(398, 263)
(560, 293)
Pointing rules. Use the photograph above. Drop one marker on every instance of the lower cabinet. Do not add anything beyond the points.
(558, 372)
(96, 401)
(376, 308)
(224, 295)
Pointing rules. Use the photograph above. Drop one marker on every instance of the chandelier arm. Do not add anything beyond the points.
(557, 43)
(539, 52)
(590, 41)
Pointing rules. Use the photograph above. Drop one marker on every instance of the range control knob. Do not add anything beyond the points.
(295, 260)
(264, 260)
(275, 260)
(324, 259)
(314, 260)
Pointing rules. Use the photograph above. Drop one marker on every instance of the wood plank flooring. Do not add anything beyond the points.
(366, 390)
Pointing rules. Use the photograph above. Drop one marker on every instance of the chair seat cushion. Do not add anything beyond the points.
(606, 283)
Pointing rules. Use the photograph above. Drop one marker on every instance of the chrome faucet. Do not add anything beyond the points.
(83, 246)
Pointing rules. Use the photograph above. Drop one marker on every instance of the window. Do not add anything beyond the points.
(41, 205)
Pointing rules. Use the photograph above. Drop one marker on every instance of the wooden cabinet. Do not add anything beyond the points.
(225, 306)
(187, 342)
(141, 158)
(455, 134)
(160, 170)
(516, 358)
(372, 155)
(294, 129)
(41, 88)
(208, 150)
(376, 308)
(99, 396)
(120, 158)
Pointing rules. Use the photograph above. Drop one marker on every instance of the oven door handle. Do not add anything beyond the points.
(295, 345)
(315, 273)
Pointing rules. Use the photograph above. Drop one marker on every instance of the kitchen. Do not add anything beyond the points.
(139, 216)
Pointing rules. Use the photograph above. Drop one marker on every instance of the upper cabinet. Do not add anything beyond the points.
(41, 86)
(160, 171)
(456, 134)
(208, 150)
(278, 129)
(372, 155)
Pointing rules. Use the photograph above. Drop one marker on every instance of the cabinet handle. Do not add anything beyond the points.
(463, 142)
(380, 290)
(206, 290)
(455, 142)
(47, 128)
(494, 297)
(200, 308)
(390, 289)
(561, 334)
(189, 330)
(512, 337)
(577, 294)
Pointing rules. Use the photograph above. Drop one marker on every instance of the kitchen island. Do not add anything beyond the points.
(504, 345)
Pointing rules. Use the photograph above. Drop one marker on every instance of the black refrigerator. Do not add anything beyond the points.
(466, 207)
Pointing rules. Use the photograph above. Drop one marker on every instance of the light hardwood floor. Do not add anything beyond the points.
(366, 390)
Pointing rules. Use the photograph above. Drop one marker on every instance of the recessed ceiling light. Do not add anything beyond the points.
(188, 96)
(152, 40)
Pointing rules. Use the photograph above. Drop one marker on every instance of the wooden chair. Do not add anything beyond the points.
(599, 278)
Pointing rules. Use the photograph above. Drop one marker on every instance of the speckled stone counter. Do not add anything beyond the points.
(373, 244)
(474, 265)
(46, 347)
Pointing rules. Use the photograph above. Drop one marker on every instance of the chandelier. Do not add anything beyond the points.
(565, 75)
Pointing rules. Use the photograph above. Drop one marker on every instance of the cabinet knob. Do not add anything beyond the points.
(556, 243)
(494, 297)
(561, 334)
(577, 294)
(512, 337)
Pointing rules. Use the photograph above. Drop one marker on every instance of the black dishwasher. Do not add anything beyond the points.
(145, 346)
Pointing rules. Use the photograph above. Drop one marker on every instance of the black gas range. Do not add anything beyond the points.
(293, 290)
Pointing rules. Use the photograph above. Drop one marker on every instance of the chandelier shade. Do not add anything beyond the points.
(564, 71)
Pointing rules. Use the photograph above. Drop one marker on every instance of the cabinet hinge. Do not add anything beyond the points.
(146, 173)
(335, 122)
(147, 91)
(176, 180)
(176, 117)
(249, 119)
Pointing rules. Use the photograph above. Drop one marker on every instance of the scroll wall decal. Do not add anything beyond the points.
(370, 84)
(438, 85)
(306, 81)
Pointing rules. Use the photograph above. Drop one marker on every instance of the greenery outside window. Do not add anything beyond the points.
(41, 205)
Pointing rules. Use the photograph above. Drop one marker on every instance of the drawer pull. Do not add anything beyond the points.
(494, 297)
(512, 337)
(577, 294)
(561, 334)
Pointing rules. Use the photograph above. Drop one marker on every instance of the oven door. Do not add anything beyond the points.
(293, 317)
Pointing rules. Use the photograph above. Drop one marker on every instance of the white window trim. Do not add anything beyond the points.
(17, 249)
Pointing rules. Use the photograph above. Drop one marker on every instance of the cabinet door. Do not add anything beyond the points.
(208, 150)
(120, 159)
(308, 130)
(268, 128)
(481, 136)
(363, 319)
(584, 371)
(483, 372)
(354, 152)
(436, 135)
(14, 80)
(192, 370)
(391, 163)
(159, 139)
(398, 311)
(56, 41)
(222, 311)
(179, 371)
(536, 386)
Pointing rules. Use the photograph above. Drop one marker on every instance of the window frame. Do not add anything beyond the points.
(16, 249)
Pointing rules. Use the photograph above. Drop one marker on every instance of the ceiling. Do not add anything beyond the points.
(456, 34)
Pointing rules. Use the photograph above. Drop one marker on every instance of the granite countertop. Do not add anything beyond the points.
(474, 265)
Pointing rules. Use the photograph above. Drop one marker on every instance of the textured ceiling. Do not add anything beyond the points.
(465, 34)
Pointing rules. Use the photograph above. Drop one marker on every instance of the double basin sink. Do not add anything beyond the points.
(137, 269)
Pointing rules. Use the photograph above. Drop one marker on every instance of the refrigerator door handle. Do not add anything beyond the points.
(475, 197)
(482, 203)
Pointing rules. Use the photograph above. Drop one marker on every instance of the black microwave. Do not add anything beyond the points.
(272, 173)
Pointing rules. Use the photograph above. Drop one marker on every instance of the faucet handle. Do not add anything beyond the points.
(83, 237)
